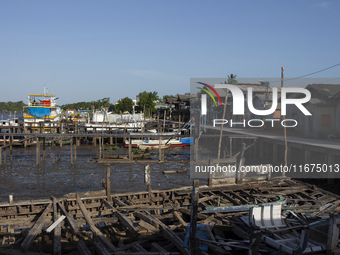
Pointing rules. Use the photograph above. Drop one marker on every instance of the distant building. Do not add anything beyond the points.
(70, 112)
(325, 109)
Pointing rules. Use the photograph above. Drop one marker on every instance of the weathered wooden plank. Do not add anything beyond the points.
(73, 224)
(36, 229)
(93, 228)
(118, 202)
(137, 247)
(82, 248)
(125, 221)
(159, 248)
(194, 245)
(148, 226)
(100, 248)
(180, 219)
(57, 230)
(166, 231)
(204, 199)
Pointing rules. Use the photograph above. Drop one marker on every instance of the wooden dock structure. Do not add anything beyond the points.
(155, 221)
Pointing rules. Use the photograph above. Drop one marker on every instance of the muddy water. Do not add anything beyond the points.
(25, 180)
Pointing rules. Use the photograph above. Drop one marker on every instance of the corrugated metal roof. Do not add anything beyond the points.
(330, 90)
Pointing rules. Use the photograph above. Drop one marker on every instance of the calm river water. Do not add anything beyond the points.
(25, 180)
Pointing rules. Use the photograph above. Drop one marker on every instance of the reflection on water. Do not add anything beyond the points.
(25, 180)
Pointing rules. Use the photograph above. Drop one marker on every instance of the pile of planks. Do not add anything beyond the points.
(157, 221)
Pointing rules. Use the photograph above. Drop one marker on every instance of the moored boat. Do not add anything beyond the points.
(41, 108)
(153, 147)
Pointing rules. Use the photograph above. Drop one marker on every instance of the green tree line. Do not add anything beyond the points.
(12, 106)
(105, 102)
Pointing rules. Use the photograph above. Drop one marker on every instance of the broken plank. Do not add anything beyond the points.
(204, 199)
(125, 221)
(118, 202)
(166, 231)
(148, 226)
(55, 224)
(93, 228)
(180, 219)
(36, 228)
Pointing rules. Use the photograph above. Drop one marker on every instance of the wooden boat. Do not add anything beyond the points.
(135, 156)
(153, 146)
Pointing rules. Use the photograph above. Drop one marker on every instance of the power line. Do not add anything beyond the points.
(302, 76)
(313, 72)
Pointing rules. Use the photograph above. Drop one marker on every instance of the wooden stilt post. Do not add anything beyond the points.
(61, 131)
(160, 149)
(130, 149)
(194, 244)
(148, 179)
(100, 147)
(0, 156)
(108, 184)
(57, 230)
(37, 158)
(5, 156)
(11, 147)
(75, 151)
(44, 149)
(111, 137)
(196, 148)
(164, 120)
(71, 153)
(239, 164)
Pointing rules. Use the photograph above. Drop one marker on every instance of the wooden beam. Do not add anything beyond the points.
(159, 248)
(101, 249)
(125, 221)
(180, 219)
(36, 228)
(57, 230)
(71, 221)
(166, 231)
(194, 245)
(93, 228)
(82, 248)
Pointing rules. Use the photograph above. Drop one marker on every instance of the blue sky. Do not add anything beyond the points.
(88, 50)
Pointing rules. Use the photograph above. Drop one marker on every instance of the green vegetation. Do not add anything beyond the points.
(135, 150)
(126, 104)
(12, 106)
(169, 96)
(232, 79)
(105, 102)
(147, 99)
(111, 148)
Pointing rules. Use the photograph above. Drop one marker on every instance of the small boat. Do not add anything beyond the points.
(153, 146)
(134, 156)
(154, 142)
